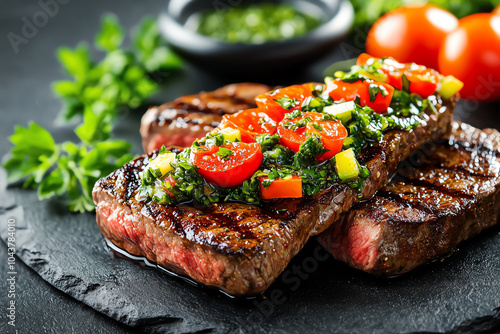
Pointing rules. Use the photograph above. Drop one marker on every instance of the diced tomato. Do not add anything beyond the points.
(364, 59)
(389, 63)
(340, 90)
(267, 102)
(331, 133)
(423, 81)
(292, 138)
(282, 188)
(251, 123)
(229, 170)
(172, 182)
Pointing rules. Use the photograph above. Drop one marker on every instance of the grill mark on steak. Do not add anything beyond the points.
(370, 153)
(403, 201)
(189, 117)
(237, 247)
(424, 215)
(425, 184)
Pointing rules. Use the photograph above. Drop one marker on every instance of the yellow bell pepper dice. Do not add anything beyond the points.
(231, 134)
(450, 86)
(162, 162)
(346, 165)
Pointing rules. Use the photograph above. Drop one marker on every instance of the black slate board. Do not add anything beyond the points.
(316, 293)
(459, 295)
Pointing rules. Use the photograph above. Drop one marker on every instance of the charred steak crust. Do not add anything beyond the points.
(236, 247)
(189, 117)
(425, 213)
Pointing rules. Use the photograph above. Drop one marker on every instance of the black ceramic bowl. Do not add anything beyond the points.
(179, 21)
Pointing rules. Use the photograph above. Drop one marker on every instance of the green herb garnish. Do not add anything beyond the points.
(66, 168)
(294, 114)
(300, 124)
(317, 127)
(97, 92)
(375, 89)
(123, 78)
(267, 142)
(287, 103)
(308, 151)
(216, 139)
(406, 84)
(224, 153)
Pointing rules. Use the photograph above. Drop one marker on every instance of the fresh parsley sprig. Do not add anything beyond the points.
(123, 78)
(66, 168)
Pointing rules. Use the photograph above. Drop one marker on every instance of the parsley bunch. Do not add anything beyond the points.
(97, 92)
(123, 78)
(65, 168)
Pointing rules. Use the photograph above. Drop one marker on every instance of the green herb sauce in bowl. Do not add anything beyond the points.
(269, 48)
(256, 23)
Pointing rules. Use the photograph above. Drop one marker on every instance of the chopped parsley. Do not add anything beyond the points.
(406, 84)
(294, 114)
(308, 151)
(300, 124)
(287, 103)
(317, 127)
(224, 153)
(363, 72)
(374, 90)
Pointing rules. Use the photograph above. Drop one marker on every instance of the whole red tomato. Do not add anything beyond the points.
(411, 33)
(472, 54)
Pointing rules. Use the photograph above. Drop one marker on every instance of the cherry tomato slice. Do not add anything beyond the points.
(331, 133)
(172, 182)
(282, 188)
(365, 59)
(423, 81)
(340, 90)
(292, 138)
(231, 170)
(205, 150)
(267, 102)
(251, 123)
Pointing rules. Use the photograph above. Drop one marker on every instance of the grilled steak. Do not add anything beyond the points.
(426, 211)
(237, 247)
(189, 117)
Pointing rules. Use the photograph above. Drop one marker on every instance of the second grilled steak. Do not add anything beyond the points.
(189, 117)
(427, 211)
(242, 248)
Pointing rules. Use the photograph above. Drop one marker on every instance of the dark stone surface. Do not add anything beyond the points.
(315, 294)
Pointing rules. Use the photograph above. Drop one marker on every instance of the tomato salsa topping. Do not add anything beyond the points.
(251, 123)
(295, 128)
(228, 165)
(300, 139)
